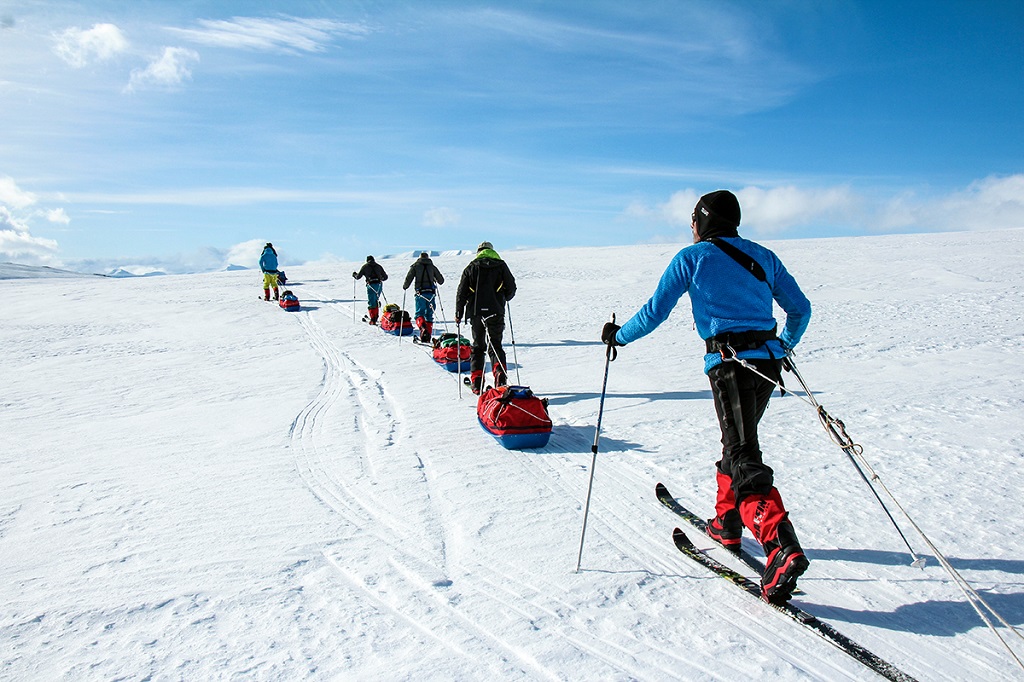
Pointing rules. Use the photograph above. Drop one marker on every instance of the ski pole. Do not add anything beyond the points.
(353, 300)
(440, 305)
(401, 317)
(492, 352)
(512, 332)
(458, 352)
(846, 444)
(840, 437)
(609, 355)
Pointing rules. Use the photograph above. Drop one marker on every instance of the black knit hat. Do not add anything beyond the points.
(369, 259)
(717, 214)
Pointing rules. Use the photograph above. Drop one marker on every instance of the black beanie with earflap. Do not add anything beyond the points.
(717, 214)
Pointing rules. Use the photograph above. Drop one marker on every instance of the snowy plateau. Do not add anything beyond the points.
(198, 485)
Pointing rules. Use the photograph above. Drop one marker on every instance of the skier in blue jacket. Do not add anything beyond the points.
(732, 310)
(268, 264)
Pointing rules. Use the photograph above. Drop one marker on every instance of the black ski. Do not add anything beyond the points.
(665, 497)
(466, 380)
(858, 652)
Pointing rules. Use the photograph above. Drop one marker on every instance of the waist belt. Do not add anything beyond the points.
(740, 341)
(373, 281)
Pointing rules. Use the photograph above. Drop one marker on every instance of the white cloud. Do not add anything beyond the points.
(80, 47)
(168, 70)
(16, 241)
(14, 196)
(18, 245)
(246, 253)
(289, 35)
(57, 215)
(777, 209)
(441, 216)
(769, 210)
(987, 204)
(679, 207)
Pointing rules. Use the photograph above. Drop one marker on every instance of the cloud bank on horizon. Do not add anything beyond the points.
(168, 138)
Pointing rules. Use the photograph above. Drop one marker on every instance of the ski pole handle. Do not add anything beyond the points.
(610, 352)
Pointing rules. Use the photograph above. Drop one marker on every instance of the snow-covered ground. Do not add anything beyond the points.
(195, 484)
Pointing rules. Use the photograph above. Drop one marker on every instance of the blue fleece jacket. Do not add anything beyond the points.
(726, 298)
(268, 261)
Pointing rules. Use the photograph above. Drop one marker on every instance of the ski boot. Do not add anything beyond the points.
(727, 530)
(768, 520)
(785, 562)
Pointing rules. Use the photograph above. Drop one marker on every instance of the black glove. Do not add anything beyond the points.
(608, 334)
(355, 275)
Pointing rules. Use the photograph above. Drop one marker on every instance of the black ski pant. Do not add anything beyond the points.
(483, 328)
(741, 398)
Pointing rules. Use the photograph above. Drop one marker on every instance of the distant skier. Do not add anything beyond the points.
(375, 278)
(425, 277)
(486, 286)
(732, 310)
(268, 264)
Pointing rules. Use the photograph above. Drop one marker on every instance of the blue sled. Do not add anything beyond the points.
(453, 366)
(401, 331)
(519, 441)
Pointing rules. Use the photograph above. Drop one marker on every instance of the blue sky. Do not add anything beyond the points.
(182, 135)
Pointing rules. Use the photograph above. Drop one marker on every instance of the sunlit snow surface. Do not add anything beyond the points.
(195, 484)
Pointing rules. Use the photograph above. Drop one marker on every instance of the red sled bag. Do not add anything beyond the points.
(451, 351)
(396, 321)
(289, 302)
(515, 417)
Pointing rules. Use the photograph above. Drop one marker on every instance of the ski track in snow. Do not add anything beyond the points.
(360, 525)
(467, 610)
(473, 618)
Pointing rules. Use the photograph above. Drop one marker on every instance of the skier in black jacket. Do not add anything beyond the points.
(425, 276)
(486, 285)
(375, 277)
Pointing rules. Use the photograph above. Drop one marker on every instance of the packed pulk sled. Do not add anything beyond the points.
(452, 352)
(289, 302)
(516, 417)
(396, 321)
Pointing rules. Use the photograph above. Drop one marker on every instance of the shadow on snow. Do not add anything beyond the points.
(565, 398)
